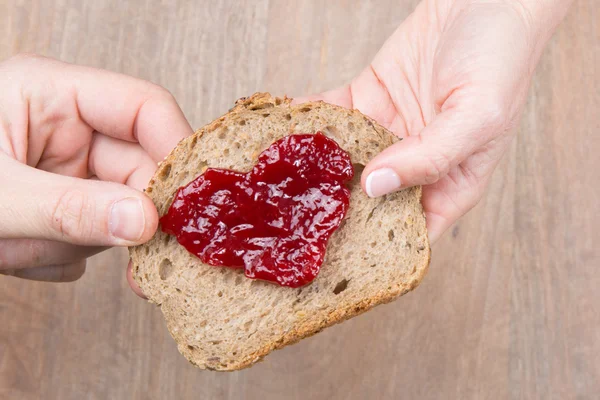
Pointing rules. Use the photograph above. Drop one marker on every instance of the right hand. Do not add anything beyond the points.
(452, 82)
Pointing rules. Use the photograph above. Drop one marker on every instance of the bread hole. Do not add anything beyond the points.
(167, 239)
(137, 269)
(148, 190)
(351, 126)
(226, 320)
(215, 342)
(330, 130)
(391, 235)
(358, 168)
(408, 245)
(405, 225)
(147, 250)
(242, 122)
(165, 269)
(237, 145)
(177, 289)
(420, 248)
(226, 152)
(234, 353)
(202, 324)
(238, 280)
(190, 347)
(265, 115)
(247, 325)
(261, 106)
(165, 171)
(146, 277)
(341, 286)
(222, 134)
(372, 265)
(305, 109)
(373, 244)
(220, 294)
(277, 101)
(288, 117)
(369, 155)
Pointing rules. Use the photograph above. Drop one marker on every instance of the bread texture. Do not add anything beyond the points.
(222, 320)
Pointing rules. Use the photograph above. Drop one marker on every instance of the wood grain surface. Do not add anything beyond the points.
(509, 309)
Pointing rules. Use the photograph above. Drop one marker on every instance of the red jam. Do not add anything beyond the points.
(273, 221)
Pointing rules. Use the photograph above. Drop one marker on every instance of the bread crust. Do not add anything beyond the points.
(157, 281)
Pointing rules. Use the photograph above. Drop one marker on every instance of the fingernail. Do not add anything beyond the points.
(127, 219)
(382, 181)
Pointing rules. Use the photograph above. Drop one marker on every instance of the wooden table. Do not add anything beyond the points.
(510, 308)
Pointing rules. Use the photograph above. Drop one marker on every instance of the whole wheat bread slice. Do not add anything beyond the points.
(222, 320)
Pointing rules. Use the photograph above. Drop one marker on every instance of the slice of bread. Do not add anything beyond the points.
(222, 320)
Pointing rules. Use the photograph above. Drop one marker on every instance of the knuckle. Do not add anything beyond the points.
(436, 167)
(162, 94)
(495, 114)
(72, 215)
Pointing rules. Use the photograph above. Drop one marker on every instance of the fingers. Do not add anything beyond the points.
(118, 161)
(134, 286)
(41, 205)
(458, 192)
(132, 110)
(116, 105)
(52, 273)
(428, 157)
(27, 253)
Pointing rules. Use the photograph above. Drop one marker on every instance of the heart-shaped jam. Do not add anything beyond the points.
(273, 221)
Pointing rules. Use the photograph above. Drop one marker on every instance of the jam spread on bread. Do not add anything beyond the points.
(273, 221)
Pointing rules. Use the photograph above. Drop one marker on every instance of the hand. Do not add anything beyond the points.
(452, 82)
(77, 146)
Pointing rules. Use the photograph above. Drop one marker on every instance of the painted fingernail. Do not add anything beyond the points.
(127, 220)
(382, 181)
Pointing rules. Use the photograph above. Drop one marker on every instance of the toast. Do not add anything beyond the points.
(222, 320)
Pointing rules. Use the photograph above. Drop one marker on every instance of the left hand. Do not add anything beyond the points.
(77, 146)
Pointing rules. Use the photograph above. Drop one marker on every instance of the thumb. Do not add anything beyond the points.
(42, 205)
(425, 158)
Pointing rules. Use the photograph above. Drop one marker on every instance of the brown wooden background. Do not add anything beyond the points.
(510, 308)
